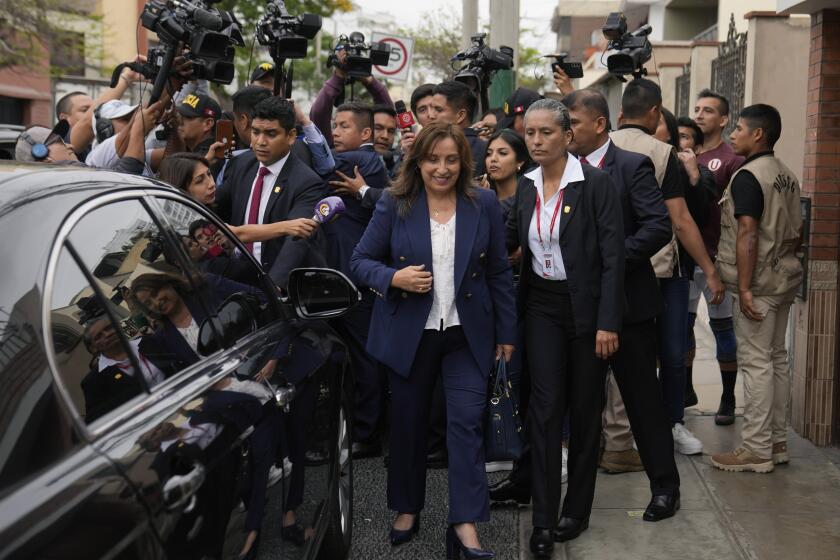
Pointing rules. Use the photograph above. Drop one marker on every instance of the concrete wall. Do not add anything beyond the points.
(685, 23)
(119, 31)
(739, 7)
(777, 74)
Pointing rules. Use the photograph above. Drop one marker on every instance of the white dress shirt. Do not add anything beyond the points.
(268, 186)
(151, 373)
(444, 313)
(572, 173)
(595, 158)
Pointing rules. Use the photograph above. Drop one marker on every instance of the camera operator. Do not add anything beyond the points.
(454, 103)
(321, 110)
(77, 108)
(640, 115)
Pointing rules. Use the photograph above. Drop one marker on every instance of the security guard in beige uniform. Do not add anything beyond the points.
(760, 234)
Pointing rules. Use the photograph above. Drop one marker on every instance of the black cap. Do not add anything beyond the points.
(517, 104)
(262, 71)
(197, 105)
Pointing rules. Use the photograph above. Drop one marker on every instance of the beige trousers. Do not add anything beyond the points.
(616, 426)
(763, 363)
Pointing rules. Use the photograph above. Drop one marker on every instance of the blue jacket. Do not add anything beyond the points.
(484, 295)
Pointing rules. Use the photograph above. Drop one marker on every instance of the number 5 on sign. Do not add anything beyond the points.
(399, 66)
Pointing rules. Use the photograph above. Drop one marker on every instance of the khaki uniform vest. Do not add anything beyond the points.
(635, 140)
(777, 268)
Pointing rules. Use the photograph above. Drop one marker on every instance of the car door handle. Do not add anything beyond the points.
(179, 491)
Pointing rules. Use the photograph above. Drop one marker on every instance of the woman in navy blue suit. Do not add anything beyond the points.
(434, 254)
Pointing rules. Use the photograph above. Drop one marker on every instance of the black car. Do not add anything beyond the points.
(135, 420)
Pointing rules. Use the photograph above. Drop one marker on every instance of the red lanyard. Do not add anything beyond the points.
(553, 217)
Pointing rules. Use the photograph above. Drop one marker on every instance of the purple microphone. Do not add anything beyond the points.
(328, 209)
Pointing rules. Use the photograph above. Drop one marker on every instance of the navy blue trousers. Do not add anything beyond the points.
(444, 354)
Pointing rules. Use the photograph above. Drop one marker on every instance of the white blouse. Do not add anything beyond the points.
(444, 313)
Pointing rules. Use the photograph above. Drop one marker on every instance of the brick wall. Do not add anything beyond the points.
(816, 388)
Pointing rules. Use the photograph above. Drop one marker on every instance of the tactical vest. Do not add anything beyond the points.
(638, 141)
(777, 268)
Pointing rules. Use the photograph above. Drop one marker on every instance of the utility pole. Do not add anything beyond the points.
(504, 30)
(469, 15)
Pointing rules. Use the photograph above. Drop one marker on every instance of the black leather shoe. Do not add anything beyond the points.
(437, 459)
(507, 490)
(400, 536)
(542, 542)
(569, 528)
(726, 412)
(365, 450)
(662, 506)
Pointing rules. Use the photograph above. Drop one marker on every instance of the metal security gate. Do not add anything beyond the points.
(729, 72)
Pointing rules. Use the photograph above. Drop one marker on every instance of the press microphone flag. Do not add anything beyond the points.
(404, 116)
(328, 209)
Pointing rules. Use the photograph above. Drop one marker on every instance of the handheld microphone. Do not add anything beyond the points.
(404, 117)
(328, 209)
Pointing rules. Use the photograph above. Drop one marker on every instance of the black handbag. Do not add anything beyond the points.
(503, 437)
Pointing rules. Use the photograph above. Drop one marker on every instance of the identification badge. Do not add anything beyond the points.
(548, 265)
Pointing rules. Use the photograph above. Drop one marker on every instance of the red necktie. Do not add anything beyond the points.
(583, 161)
(256, 196)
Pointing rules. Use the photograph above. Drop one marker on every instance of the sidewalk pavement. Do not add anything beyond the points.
(791, 512)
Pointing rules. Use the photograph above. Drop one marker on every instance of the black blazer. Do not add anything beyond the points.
(592, 243)
(294, 195)
(647, 228)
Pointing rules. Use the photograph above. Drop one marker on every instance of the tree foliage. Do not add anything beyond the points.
(28, 28)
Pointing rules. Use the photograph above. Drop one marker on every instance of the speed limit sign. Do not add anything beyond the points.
(401, 50)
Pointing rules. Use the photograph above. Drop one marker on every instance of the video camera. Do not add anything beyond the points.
(632, 49)
(361, 57)
(483, 63)
(285, 35)
(209, 37)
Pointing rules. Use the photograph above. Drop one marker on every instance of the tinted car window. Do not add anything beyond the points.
(106, 309)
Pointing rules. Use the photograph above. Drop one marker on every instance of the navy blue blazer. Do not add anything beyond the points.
(484, 294)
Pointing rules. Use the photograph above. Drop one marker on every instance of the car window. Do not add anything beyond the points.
(128, 304)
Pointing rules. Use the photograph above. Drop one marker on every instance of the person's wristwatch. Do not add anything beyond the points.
(362, 190)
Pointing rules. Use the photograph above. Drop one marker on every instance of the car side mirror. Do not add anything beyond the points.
(321, 293)
(235, 318)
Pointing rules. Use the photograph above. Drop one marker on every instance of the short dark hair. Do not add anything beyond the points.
(458, 96)
(247, 98)
(63, 104)
(178, 169)
(640, 96)
(696, 132)
(362, 113)
(385, 108)
(589, 99)
(724, 102)
(426, 90)
(765, 117)
(276, 109)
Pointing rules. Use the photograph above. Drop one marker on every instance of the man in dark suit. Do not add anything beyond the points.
(273, 185)
(359, 177)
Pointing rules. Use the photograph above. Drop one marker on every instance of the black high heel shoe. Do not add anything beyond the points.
(454, 548)
(402, 536)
